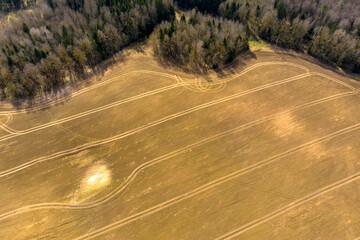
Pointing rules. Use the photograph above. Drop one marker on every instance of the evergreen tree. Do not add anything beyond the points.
(281, 11)
(26, 28)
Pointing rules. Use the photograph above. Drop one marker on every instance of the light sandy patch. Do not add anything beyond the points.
(317, 151)
(94, 181)
(286, 125)
(314, 154)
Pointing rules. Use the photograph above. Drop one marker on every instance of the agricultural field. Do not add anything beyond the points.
(267, 148)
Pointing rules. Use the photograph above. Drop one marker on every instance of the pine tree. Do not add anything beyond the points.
(281, 14)
(183, 19)
(26, 28)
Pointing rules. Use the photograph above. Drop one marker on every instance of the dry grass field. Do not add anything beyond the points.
(268, 148)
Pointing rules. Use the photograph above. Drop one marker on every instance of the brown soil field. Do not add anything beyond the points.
(266, 148)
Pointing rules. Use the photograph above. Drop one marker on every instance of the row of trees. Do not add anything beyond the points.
(327, 29)
(200, 41)
(55, 42)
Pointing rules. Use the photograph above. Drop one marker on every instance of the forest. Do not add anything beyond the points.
(326, 29)
(52, 44)
(200, 41)
(13, 5)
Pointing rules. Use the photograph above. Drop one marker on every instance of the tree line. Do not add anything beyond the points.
(12, 5)
(199, 41)
(55, 42)
(326, 29)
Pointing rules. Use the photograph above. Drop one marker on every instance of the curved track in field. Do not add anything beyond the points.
(122, 75)
(147, 126)
(199, 86)
(145, 165)
(196, 85)
(5, 126)
(227, 178)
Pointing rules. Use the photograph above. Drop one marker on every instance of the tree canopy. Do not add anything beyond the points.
(200, 41)
(326, 29)
(52, 44)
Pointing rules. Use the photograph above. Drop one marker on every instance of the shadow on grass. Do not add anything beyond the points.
(228, 69)
(239, 63)
(62, 93)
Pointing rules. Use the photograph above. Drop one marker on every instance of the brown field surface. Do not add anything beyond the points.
(267, 148)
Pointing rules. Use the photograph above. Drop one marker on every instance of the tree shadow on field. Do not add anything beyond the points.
(169, 64)
(63, 93)
(228, 69)
(139, 48)
(239, 63)
(326, 65)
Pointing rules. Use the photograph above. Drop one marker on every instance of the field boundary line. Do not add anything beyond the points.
(212, 184)
(162, 158)
(336, 81)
